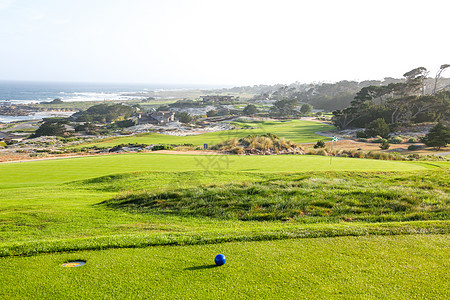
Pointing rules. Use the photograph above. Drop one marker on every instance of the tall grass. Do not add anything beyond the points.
(306, 199)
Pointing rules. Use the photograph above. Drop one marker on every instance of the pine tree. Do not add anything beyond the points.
(439, 136)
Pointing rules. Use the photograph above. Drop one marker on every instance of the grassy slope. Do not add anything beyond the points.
(36, 173)
(392, 267)
(44, 208)
(296, 130)
(51, 206)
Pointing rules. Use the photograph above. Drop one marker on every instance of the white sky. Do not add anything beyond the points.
(220, 42)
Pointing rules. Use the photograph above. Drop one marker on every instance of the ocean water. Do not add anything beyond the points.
(32, 92)
(36, 116)
(22, 92)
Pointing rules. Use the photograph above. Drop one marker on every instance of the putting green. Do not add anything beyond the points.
(63, 170)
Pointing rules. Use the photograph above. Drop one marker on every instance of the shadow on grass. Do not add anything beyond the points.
(201, 267)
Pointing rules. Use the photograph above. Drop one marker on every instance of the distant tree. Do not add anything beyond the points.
(378, 127)
(250, 110)
(439, 136)
(184, 117)
(319, 114)
(415, 79)
(285, 107)
(306, 109)
(104, 113)
(438, 75)
(125, 123)
(211, 113)
(50, 129)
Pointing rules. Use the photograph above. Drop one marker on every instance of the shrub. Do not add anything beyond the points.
(322, 152)
(237, 150)
(50, 129)
(358, 154)
(439, 136)
(414, 147)
(385, 145)
(379, 141)
(396, 140)
(413, 140)
(319, 144)
(125, 123)
(361, 134)
(162, 147)
(211, 113)
(250, 110)
(185, 117)
(378, 127)
(414, 156)
(364, 140)
(2, 144)
(306, 109)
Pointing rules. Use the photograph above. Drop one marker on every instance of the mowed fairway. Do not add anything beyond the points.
(56, 210)
(296, 130)
(379, 267)
(63, 170)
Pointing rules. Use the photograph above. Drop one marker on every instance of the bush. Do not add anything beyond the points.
(379, 141)
(396, 140)
(358, 154)
(364, 140)
(319, 144)
(237, 150)
(2, 144)
(414, 147)
(413, 140)
(306, 109)
(361, 134)
(250, 110)
(439, 136)
(185, 117)
(378, 127)
(162, 147)
(50, 129)
(385, 145)
(211, 113)
(322, 152)
(414, 156)
(125, 123)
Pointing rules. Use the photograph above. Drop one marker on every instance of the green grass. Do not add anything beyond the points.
(35, 173)
(53, 205)
(377, 267)
(373, 224)
(295, 130)
(307, 198)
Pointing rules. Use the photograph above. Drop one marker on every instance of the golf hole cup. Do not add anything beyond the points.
(220, 259)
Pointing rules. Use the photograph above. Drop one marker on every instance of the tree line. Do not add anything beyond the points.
(397, 103)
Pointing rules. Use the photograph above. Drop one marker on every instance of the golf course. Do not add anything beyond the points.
(298, 131)
(149, 225)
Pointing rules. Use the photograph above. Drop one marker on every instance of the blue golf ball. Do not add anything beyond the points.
(220, 259)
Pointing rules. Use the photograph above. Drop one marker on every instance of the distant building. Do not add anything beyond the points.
(162, 117)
